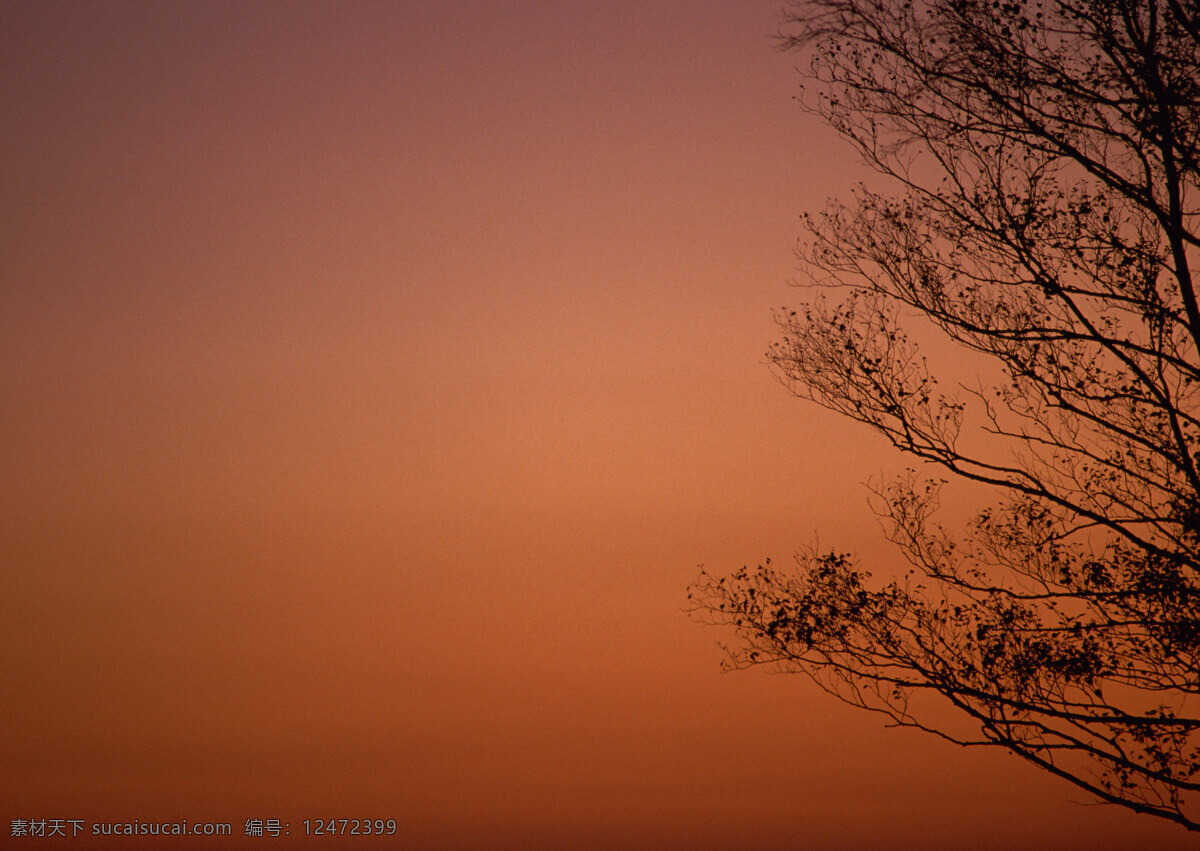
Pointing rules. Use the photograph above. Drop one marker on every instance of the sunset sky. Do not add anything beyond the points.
(375, 377)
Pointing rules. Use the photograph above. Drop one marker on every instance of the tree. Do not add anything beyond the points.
(1044, 216)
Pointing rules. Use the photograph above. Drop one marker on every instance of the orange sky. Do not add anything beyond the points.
(375, 377)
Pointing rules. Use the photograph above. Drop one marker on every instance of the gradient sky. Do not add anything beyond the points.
(375, 376)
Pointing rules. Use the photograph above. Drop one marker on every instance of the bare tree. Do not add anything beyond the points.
(1045, 215)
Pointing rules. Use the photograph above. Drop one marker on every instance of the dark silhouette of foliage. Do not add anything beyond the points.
(1047, 219)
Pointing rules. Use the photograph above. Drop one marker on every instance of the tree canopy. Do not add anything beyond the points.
(1042, 212)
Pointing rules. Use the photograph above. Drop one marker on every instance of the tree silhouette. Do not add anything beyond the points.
(1046, 217)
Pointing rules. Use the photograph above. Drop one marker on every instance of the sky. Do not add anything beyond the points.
(376, 378)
